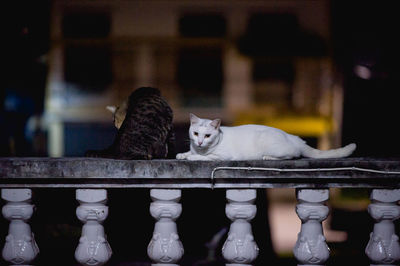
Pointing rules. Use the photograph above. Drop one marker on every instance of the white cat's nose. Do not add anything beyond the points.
(200, 142)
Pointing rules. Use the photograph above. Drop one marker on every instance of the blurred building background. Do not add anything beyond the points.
(243, 61)
(325, 70)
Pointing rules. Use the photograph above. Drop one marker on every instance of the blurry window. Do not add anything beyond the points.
(279, 34)
(273, 78)
(204, 25)
(200, 71)
(86, 25)
(200, 75)
(88, 67)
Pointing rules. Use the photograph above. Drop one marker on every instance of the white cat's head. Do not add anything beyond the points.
(203, 133)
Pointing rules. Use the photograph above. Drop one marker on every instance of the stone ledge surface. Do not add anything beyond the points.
(103, 173)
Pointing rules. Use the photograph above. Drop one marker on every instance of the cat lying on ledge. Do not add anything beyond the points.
(211, 141)
(145, 128)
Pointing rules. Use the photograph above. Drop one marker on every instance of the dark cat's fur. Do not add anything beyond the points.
(146, 132)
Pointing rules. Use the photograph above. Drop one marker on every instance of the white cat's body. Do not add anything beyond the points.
(210, 141)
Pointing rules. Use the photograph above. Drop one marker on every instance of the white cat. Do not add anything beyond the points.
(210, 141)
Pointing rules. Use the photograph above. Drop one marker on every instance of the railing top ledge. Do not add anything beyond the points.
(108, 173)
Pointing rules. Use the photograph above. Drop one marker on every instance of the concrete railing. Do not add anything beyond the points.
(166, 178)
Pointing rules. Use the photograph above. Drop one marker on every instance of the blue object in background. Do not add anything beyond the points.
(80, 137)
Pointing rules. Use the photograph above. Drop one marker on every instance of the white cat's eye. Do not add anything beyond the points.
(196, 133)
(207, 135)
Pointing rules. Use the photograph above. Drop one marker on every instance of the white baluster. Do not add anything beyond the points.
(311, 247)
(165, 248)
(93, 248)
(20, 247)
(383, 247)
(240, 247)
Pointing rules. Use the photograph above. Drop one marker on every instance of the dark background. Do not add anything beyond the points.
(363, 33)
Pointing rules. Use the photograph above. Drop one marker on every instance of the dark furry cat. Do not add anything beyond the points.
(146, 132)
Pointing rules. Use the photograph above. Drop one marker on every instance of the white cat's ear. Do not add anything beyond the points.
(111, 108)
(216, 123)
(194, 119)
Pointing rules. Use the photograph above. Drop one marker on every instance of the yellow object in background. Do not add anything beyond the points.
(307, 126)
(301, 125)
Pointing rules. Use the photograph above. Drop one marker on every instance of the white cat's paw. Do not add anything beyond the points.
(196, 157)
(181, 156)
(267, 157)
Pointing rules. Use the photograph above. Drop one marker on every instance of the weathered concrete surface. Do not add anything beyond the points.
(94, 172)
